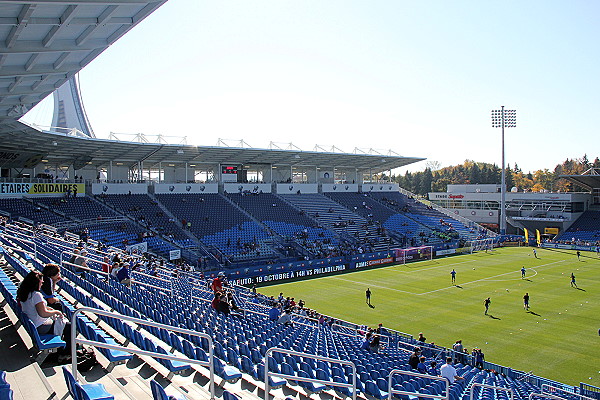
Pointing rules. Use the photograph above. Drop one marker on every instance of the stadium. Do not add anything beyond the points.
(179, 265)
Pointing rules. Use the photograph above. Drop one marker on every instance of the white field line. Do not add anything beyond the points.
(448, 287)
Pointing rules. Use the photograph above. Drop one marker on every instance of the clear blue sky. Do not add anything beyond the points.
(416, 77)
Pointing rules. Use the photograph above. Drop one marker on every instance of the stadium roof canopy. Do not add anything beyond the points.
(27, 143)
(45, 42)
(590, 179)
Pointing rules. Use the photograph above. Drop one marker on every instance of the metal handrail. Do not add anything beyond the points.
(19, 249)
(22, 240)
(17, 230)
(392, 391)
(107, 274)
(298, 378)
(75, 340)
(96, 271)
(544, 396)
(551, 388)
(472, 390)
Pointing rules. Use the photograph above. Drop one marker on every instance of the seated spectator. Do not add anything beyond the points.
(413, 361)
(114, 270)
(51, 276)
(105, 265)
(216, 300)
(421, 367)
(122, 276)
(449, 372)
(374, 345)
(43, 318)
(366, 342)
(80, 261)
(433, 370)
(274, 312)
(223, 306)
(217, 284)
(285, 319)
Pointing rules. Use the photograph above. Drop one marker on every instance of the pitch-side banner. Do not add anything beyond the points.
(41, 189)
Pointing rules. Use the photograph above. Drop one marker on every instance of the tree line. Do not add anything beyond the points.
(472, 172)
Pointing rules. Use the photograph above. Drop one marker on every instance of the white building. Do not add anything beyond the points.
(551, 213)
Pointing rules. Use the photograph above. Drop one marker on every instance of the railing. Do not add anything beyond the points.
(392, 391)
(75, 340)
(544, 396)
(24, 230)
(549, 390)
(99, 272)
(483, 385)
(299, 378)
(4, 235)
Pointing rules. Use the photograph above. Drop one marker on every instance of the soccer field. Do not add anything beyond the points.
(557, 338)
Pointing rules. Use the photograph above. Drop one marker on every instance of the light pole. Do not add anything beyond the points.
(503, 119)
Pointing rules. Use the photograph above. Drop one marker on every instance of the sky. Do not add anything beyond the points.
(419, 78)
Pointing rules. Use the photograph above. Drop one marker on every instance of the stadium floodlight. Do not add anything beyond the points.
(503, 119)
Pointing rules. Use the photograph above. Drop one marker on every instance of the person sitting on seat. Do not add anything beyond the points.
(216, 300)
(51, 276)
(285, 319)
(123, 275)
(223, 305)
(43, 318)
(274, 312)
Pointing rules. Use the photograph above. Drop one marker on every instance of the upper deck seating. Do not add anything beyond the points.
(22, 208)
(586, 228)
(78, 207)
(144, 209)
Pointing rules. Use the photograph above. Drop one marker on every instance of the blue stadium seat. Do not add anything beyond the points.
(89, 391)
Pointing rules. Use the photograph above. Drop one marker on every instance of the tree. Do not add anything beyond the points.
(426, 181)
(544, 180)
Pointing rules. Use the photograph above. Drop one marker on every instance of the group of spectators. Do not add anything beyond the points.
(282, 308)
(372, 339)
(36, 296)
(417, 362)
(223, 300)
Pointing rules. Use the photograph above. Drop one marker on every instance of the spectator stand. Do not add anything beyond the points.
(210, 364)
(475, 385)
(306, 381)
(395, 388)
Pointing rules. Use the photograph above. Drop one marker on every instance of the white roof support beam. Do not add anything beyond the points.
(75, 21)
(105, 16)
(60, 61)
(59, 46)
(31, 62)
(37, 70)
(23, 18)
(13, 85)
(37, 84)
(67, 16)
(78, 2)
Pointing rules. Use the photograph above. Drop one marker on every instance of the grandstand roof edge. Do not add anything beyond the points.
(65, 149)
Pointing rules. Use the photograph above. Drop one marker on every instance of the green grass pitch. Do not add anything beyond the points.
(557, 339)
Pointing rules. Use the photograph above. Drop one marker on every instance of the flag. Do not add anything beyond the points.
(537, 237)
(526, 235)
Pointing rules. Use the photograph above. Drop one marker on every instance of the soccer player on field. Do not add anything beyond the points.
(453, 274)
(522, 272)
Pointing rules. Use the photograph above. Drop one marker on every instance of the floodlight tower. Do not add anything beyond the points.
(503, 119)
